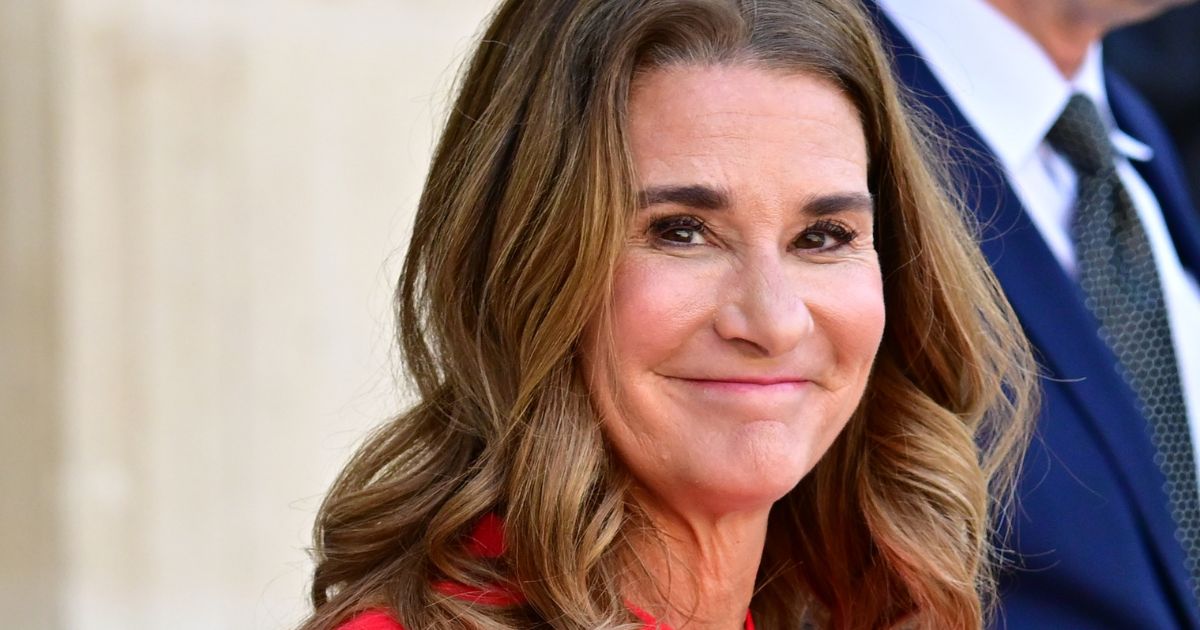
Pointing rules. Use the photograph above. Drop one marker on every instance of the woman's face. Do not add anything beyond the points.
(748, 304)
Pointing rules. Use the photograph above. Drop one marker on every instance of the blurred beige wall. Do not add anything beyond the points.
(202, 206)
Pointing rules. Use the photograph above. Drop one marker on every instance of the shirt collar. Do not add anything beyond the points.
(1089, 81)
(1001, 79)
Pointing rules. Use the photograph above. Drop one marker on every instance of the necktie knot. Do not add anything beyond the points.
(1081, 137)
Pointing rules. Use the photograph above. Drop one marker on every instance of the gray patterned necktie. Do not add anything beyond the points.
(1121, 286)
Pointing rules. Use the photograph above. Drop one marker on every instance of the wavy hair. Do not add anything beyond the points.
(517, 233)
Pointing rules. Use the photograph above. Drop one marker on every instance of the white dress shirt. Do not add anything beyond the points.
(1012, 93)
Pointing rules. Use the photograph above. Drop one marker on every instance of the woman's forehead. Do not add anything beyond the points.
(723, 128)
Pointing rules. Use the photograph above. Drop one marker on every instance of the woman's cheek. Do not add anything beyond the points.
(661, 302)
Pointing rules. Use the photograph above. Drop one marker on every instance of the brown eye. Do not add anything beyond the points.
(825, 235)
(681, 230)
(680, 235)
(811, 240)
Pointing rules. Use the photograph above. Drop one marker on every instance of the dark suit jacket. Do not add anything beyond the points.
(1092, 531)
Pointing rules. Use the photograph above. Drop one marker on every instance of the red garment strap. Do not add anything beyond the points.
(492, 596)
(372, 620)
(380, 620)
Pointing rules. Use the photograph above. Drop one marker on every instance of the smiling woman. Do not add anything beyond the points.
(696, 332)
(746, 312)
(747, 306)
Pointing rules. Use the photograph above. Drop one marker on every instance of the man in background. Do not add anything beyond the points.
(1087, 223)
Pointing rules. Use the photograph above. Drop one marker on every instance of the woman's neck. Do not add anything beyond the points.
(697, 572)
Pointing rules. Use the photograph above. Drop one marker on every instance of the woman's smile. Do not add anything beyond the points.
(748, 385)
(742, 399)
(747, 306)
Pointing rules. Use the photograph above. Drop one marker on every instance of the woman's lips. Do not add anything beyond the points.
(741, 399)
(746, 384)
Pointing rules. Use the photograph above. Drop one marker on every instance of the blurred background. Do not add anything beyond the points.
(202, 205)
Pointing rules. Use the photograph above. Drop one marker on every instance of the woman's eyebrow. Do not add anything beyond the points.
(704, 197)
(825, 205)
(697, 196)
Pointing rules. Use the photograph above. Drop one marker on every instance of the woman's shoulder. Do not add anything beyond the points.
(371, 620)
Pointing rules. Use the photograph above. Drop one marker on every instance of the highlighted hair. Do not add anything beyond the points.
(517, 233)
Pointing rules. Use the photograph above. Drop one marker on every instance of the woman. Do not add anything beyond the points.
(644, 308)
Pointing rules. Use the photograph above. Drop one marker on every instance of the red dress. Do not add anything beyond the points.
(378, 620)
(487, 541)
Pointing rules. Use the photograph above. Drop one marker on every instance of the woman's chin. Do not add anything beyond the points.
(742, 469)
(748, 490)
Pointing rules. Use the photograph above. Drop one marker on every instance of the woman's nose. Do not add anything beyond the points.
(766, 309)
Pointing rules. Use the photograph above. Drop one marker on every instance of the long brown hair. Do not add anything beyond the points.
(521, 221)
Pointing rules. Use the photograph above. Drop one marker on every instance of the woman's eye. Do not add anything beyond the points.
(824, 235)
(679, 231)
(812, 240)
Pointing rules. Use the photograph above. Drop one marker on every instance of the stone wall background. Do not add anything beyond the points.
(202, 208)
